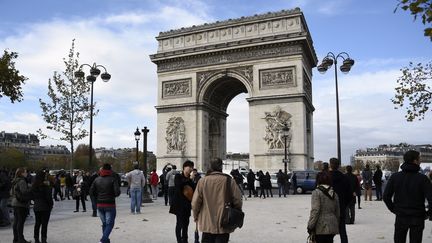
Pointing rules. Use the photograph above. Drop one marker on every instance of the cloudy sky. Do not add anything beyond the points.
(120, 34)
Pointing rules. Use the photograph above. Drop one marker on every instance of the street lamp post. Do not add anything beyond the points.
(285, 134)
(326, 63)
(146, 196)
(94, 73)
(137, 138)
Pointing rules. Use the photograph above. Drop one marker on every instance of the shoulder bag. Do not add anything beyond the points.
(232, 218)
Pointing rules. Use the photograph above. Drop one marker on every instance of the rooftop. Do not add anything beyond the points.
(240, 20)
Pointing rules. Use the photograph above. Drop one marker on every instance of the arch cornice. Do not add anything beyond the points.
(206, 79)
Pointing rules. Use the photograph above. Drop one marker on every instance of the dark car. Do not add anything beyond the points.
(306, 180)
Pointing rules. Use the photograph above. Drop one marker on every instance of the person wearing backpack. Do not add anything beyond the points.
(21, 196)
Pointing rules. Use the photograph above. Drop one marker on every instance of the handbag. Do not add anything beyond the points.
(76, 193)
(232, 218)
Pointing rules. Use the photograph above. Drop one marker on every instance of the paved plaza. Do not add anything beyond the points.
(267, 220)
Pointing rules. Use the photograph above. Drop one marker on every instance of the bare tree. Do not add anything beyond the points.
(68, 106)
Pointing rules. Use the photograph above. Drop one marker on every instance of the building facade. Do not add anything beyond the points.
(390, 153)
(29, 144)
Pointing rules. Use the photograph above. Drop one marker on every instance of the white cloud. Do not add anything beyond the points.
(368, 117)
(122, 43)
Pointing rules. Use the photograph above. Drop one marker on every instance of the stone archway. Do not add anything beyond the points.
(202, 68)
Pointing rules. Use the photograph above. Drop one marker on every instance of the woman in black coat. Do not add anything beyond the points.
(43, 204)
(262, 185)
(267, 184)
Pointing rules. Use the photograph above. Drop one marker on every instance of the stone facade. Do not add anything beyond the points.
(202, 68)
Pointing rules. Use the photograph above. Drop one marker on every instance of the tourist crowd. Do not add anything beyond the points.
(206, 197)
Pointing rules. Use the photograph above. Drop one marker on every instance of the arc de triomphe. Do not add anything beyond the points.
(202, 68)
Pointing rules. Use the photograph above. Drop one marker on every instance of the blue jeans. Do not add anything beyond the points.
(107, 216)
(136, 199)
(281, 187)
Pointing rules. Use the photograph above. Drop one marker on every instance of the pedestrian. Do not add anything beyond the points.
(325, 213)
(170, 179)
(261, 181)
(405, 196)
(377, 178)
(78, 192)
(154, 181)
(281, 181)
(21, 196)
(164, 182)
(181, 203)
(294, 183)
(69, 186)
(63, 184)
(267, 184)
(355, 187)
(136, 182)
(209, 201)
(86, 186)
(251, 183)
(342, 187)
(238, 178)
(105, 189)
(367, 182)
(57, 188)
(358, 192)
(43, 204)
(5, 186)
(92, 198)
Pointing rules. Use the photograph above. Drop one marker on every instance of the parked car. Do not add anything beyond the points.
(306, 180)
(273, 180)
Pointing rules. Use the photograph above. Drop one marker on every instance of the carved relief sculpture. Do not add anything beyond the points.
(275, 78)
(276, 120)
(176, 134)
(176, 88)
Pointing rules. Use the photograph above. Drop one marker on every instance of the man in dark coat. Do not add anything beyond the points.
(405, 195)
(354, 184)
(377, 178)
(281, 181)
(251, 183)
(105, 189)
(342, 187)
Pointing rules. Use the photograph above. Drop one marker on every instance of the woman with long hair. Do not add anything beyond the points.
(324, 215)
(21, 197)
(43, 204)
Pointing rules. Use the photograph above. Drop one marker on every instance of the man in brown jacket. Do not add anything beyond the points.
(208, 203)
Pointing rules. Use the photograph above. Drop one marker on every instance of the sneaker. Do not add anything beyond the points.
(84, 211)
(76, 211)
